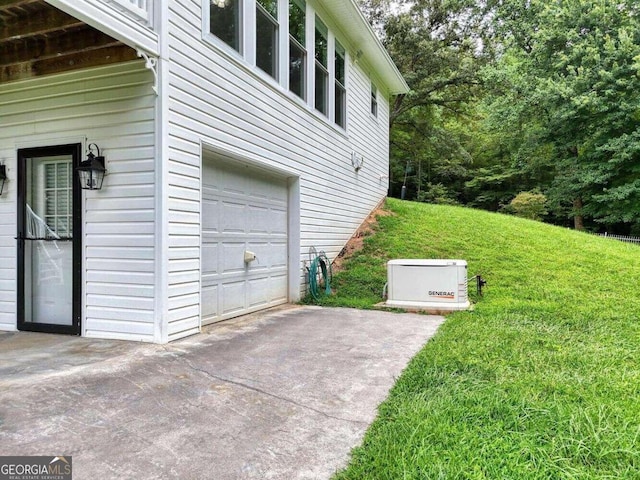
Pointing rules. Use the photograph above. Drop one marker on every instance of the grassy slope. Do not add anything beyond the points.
(542, 380)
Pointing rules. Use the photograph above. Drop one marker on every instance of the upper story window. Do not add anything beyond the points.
(374, 100)
(297, 50)
(225, 20)
(340, 88)
(265, 31)
(267, 36)
(321, 67)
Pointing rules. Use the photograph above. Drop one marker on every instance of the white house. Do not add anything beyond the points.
(228, 128)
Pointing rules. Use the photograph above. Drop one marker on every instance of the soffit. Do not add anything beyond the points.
(38, 39)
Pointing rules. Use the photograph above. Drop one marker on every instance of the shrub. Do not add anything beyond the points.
(530, 205)
(437, 194)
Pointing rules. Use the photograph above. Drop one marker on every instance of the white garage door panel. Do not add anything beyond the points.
(278, 287)
(256, 289)
(233, 258)
(233, 297)
(209, 223)
(242, 209)
(209, 301)
(233, 217)
(209, 258)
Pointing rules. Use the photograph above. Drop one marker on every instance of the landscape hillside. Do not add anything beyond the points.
(540, 380)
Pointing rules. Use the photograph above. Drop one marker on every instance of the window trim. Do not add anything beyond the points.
(245, 57)
(320, 27)
(340, 51)
(303, 47)
(374, 100)
(212, 37)
(276, 50)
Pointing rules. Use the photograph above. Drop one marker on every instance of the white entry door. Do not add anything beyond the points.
(244, 212)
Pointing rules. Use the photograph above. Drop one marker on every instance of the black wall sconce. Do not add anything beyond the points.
(3, 177)
(91, 171)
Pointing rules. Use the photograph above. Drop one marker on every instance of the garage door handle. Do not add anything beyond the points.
(249, 256)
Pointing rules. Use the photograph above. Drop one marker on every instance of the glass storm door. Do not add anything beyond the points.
(49, 240)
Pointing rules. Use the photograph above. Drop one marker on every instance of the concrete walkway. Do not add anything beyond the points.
(284, 394)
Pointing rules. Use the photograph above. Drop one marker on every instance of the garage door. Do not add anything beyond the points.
(244, 210)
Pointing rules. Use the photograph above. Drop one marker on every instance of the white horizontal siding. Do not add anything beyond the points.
(113, 107)
(7, 249)
(222, 102)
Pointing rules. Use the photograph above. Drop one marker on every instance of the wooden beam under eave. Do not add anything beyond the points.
(52, 45)
(7, 4)
(40, 22)
(64, 63)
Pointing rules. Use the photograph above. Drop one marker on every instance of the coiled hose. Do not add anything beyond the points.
(320, 269)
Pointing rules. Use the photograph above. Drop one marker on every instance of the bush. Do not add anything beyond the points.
(437, 194)
(531, 205)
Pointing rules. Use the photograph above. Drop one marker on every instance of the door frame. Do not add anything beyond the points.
(75, 151)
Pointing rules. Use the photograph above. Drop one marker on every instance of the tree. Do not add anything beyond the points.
(571, 68)
(510, 96)
(437, 47)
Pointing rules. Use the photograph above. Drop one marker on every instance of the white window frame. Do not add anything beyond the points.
(287, 46)
(276, 23)
(212, 37)
(246, 54)
(317, 26)
(337, 83)
(375, 104)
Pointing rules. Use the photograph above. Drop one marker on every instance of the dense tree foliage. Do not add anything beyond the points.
(510, 96)
(436, 46)
(567, 93)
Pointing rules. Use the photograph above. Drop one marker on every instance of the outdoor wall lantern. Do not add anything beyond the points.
(3, 177)
(91, 171)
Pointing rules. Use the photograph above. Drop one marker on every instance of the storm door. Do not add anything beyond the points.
(49, 240)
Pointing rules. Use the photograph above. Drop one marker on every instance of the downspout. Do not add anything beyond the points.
(161, 177)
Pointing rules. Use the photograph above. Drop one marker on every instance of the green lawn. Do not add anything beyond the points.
(541, 380)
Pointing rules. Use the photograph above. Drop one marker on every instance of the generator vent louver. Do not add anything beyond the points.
(427, 284)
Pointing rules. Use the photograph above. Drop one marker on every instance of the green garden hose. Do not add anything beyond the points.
(320, 266)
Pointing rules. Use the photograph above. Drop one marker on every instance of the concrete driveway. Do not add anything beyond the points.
(284, 394)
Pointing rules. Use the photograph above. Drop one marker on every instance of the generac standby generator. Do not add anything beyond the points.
(438, 285)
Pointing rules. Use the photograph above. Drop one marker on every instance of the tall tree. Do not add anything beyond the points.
(437, 46)
(562, 115)
(570, 70)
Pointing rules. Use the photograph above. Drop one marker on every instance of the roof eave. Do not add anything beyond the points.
(361, 34)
